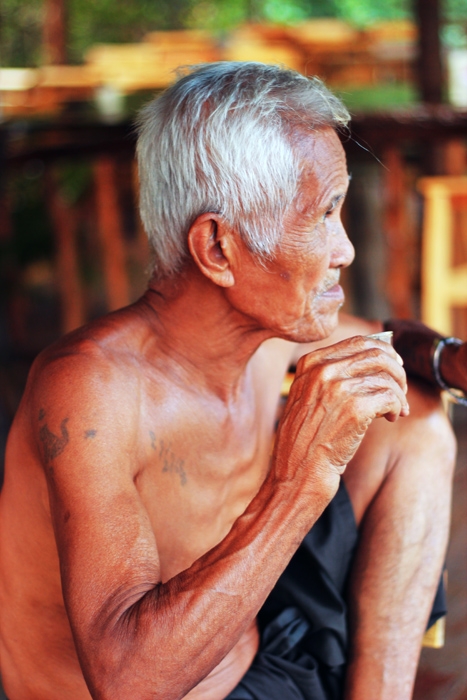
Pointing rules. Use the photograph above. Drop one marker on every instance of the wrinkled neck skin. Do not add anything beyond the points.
(195, 324)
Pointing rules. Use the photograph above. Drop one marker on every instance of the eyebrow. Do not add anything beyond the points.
(335, 200)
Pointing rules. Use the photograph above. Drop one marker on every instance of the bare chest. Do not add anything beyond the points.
(199, 476)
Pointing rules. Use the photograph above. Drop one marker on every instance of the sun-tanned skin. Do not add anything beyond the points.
(143, 520)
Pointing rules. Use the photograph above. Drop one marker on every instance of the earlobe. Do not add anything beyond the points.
(209, 244)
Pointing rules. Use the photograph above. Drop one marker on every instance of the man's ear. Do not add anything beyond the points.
(212, 247)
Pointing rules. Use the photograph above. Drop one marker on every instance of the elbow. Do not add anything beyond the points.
(128, 679)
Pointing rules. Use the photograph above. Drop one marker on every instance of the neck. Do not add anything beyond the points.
(195, 326)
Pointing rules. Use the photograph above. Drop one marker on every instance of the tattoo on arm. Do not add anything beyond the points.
(90, 434)
(53, 444)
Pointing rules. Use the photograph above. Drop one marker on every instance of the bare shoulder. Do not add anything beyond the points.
(88, 385)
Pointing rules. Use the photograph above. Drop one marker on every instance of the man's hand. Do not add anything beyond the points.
(337, 392)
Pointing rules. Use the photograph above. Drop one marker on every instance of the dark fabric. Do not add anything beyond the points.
(440, 606)
(303, 623)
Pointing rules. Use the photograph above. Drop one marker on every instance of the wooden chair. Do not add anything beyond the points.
(444, 254)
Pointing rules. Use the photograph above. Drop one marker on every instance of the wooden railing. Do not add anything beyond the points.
(408, 145)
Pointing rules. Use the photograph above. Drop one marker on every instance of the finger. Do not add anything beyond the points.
(377, 394)
(346, 348)
(362, 365)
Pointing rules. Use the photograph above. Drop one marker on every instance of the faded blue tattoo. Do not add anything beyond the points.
(171, 463)
(53, 444)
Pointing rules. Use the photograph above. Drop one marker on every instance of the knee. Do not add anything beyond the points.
(417, 453)
(428, 429)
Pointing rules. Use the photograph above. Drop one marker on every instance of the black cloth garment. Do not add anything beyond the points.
(303, 623)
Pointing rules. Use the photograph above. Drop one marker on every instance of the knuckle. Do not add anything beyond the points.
(326, 373)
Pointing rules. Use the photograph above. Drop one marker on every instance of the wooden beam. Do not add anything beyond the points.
(67, 263)
(430, 76)
(110, 233)
(54, 33)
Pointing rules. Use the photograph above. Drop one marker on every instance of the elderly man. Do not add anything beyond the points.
(151, 546)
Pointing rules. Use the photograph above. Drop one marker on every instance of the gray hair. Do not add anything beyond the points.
(219, 140)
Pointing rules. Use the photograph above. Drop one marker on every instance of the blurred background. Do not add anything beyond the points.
(73, 74)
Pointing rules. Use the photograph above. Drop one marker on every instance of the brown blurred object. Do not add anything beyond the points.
(430, 75)
(64, 227)
(111, 234)
(54, 32)
(397, 230)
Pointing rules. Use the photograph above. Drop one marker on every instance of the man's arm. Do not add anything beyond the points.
(415, 343)
(138, 637)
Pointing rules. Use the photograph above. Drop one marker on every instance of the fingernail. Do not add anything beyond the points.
(385, 336)
(399, 359)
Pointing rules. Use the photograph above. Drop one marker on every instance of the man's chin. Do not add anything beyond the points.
(316, 332)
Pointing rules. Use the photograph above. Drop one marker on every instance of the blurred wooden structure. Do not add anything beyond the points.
(428, 140)
(424, 140)
(126, 68)
(338, 53)
(55, 32)
(400, 140)
(152, 63)
(26, 92)
(444, 254)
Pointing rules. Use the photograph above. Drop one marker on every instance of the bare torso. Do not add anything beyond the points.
(196, 464)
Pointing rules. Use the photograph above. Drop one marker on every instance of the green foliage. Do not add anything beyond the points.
(96, 21)
(118, 21)
(364, 13)
(219, 16)
(20, 32)
(382, 97)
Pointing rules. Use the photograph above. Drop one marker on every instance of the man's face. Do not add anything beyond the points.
(298, 295)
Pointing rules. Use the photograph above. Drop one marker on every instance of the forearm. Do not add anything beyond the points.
(169, 640)
(415, 343)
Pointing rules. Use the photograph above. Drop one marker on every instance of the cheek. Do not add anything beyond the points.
(317, 267)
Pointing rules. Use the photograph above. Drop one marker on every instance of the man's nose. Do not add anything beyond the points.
(343, 251)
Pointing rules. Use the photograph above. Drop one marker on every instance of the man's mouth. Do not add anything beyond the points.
(331, 284)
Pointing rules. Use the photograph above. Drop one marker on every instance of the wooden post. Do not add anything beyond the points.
(69, 283)
(54, 32)
(396, 227)
(430, 76)
(455, 157)
(110, 233)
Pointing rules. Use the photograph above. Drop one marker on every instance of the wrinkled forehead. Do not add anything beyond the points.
(323, 166)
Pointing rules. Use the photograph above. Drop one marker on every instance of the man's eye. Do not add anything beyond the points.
(328, 213)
